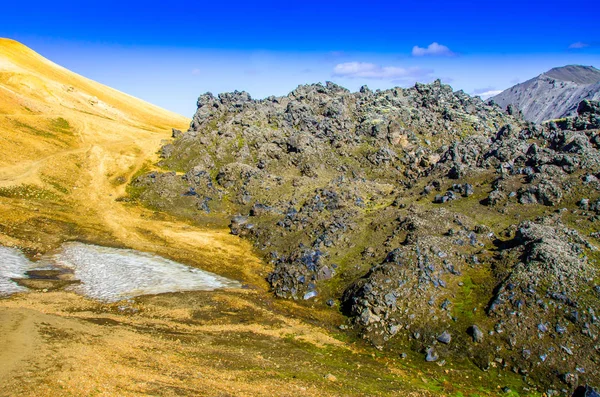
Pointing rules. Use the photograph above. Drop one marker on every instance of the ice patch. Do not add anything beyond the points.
(13, 264)
(112, 274)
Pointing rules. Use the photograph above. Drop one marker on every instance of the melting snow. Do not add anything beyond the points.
(111, 274)
(13, 264)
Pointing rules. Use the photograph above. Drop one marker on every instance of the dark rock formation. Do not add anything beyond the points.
(440, 224)
(585, 391)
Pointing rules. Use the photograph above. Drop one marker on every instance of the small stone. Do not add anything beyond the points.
(468, 190)
(445, 338)
(431, 355)
(584, 204)
(367, 317)
(445, 304)
(330, 377)
(476, 333)
(570, 378)
(567, 350)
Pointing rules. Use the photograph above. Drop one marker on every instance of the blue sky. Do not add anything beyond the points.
(169, 54)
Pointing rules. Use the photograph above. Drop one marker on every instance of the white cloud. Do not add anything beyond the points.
(195, 72)
(478, 91)
(372, 71)
(487, 94)
(578, 45)
(433, 49)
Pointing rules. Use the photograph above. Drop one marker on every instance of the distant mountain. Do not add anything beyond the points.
(554, 94)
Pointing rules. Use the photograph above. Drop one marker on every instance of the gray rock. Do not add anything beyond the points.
(468, 190)
(584, 204)
(431, 355)
(239, 225)
(367, 317)
(476, 333)
(444, 338)
(496, 197)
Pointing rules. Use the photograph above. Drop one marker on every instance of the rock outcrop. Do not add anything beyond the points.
(435, 222)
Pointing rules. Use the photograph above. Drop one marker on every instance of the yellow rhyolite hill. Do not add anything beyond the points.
(46, 109)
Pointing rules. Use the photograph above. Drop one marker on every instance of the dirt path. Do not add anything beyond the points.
(19, 340)
(29, 172)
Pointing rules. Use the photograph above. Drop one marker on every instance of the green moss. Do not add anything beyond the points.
(240, 141)
(54, 128)
(61, 125)
(119, 180)
(134, 191)
(32, 130)
(27, 192)
(55, 183)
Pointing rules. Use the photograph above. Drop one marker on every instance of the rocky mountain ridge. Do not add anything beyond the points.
(554, 94)
(434, 221)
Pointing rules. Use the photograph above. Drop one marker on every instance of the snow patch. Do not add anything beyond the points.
(111, 274)
(13, 264)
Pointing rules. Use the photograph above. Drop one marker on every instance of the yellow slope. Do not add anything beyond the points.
(46, 109)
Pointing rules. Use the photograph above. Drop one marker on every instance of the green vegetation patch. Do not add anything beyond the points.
(27, 192)
(32, 130)
(61, 125)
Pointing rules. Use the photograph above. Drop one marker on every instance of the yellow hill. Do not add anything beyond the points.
(45, 109)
